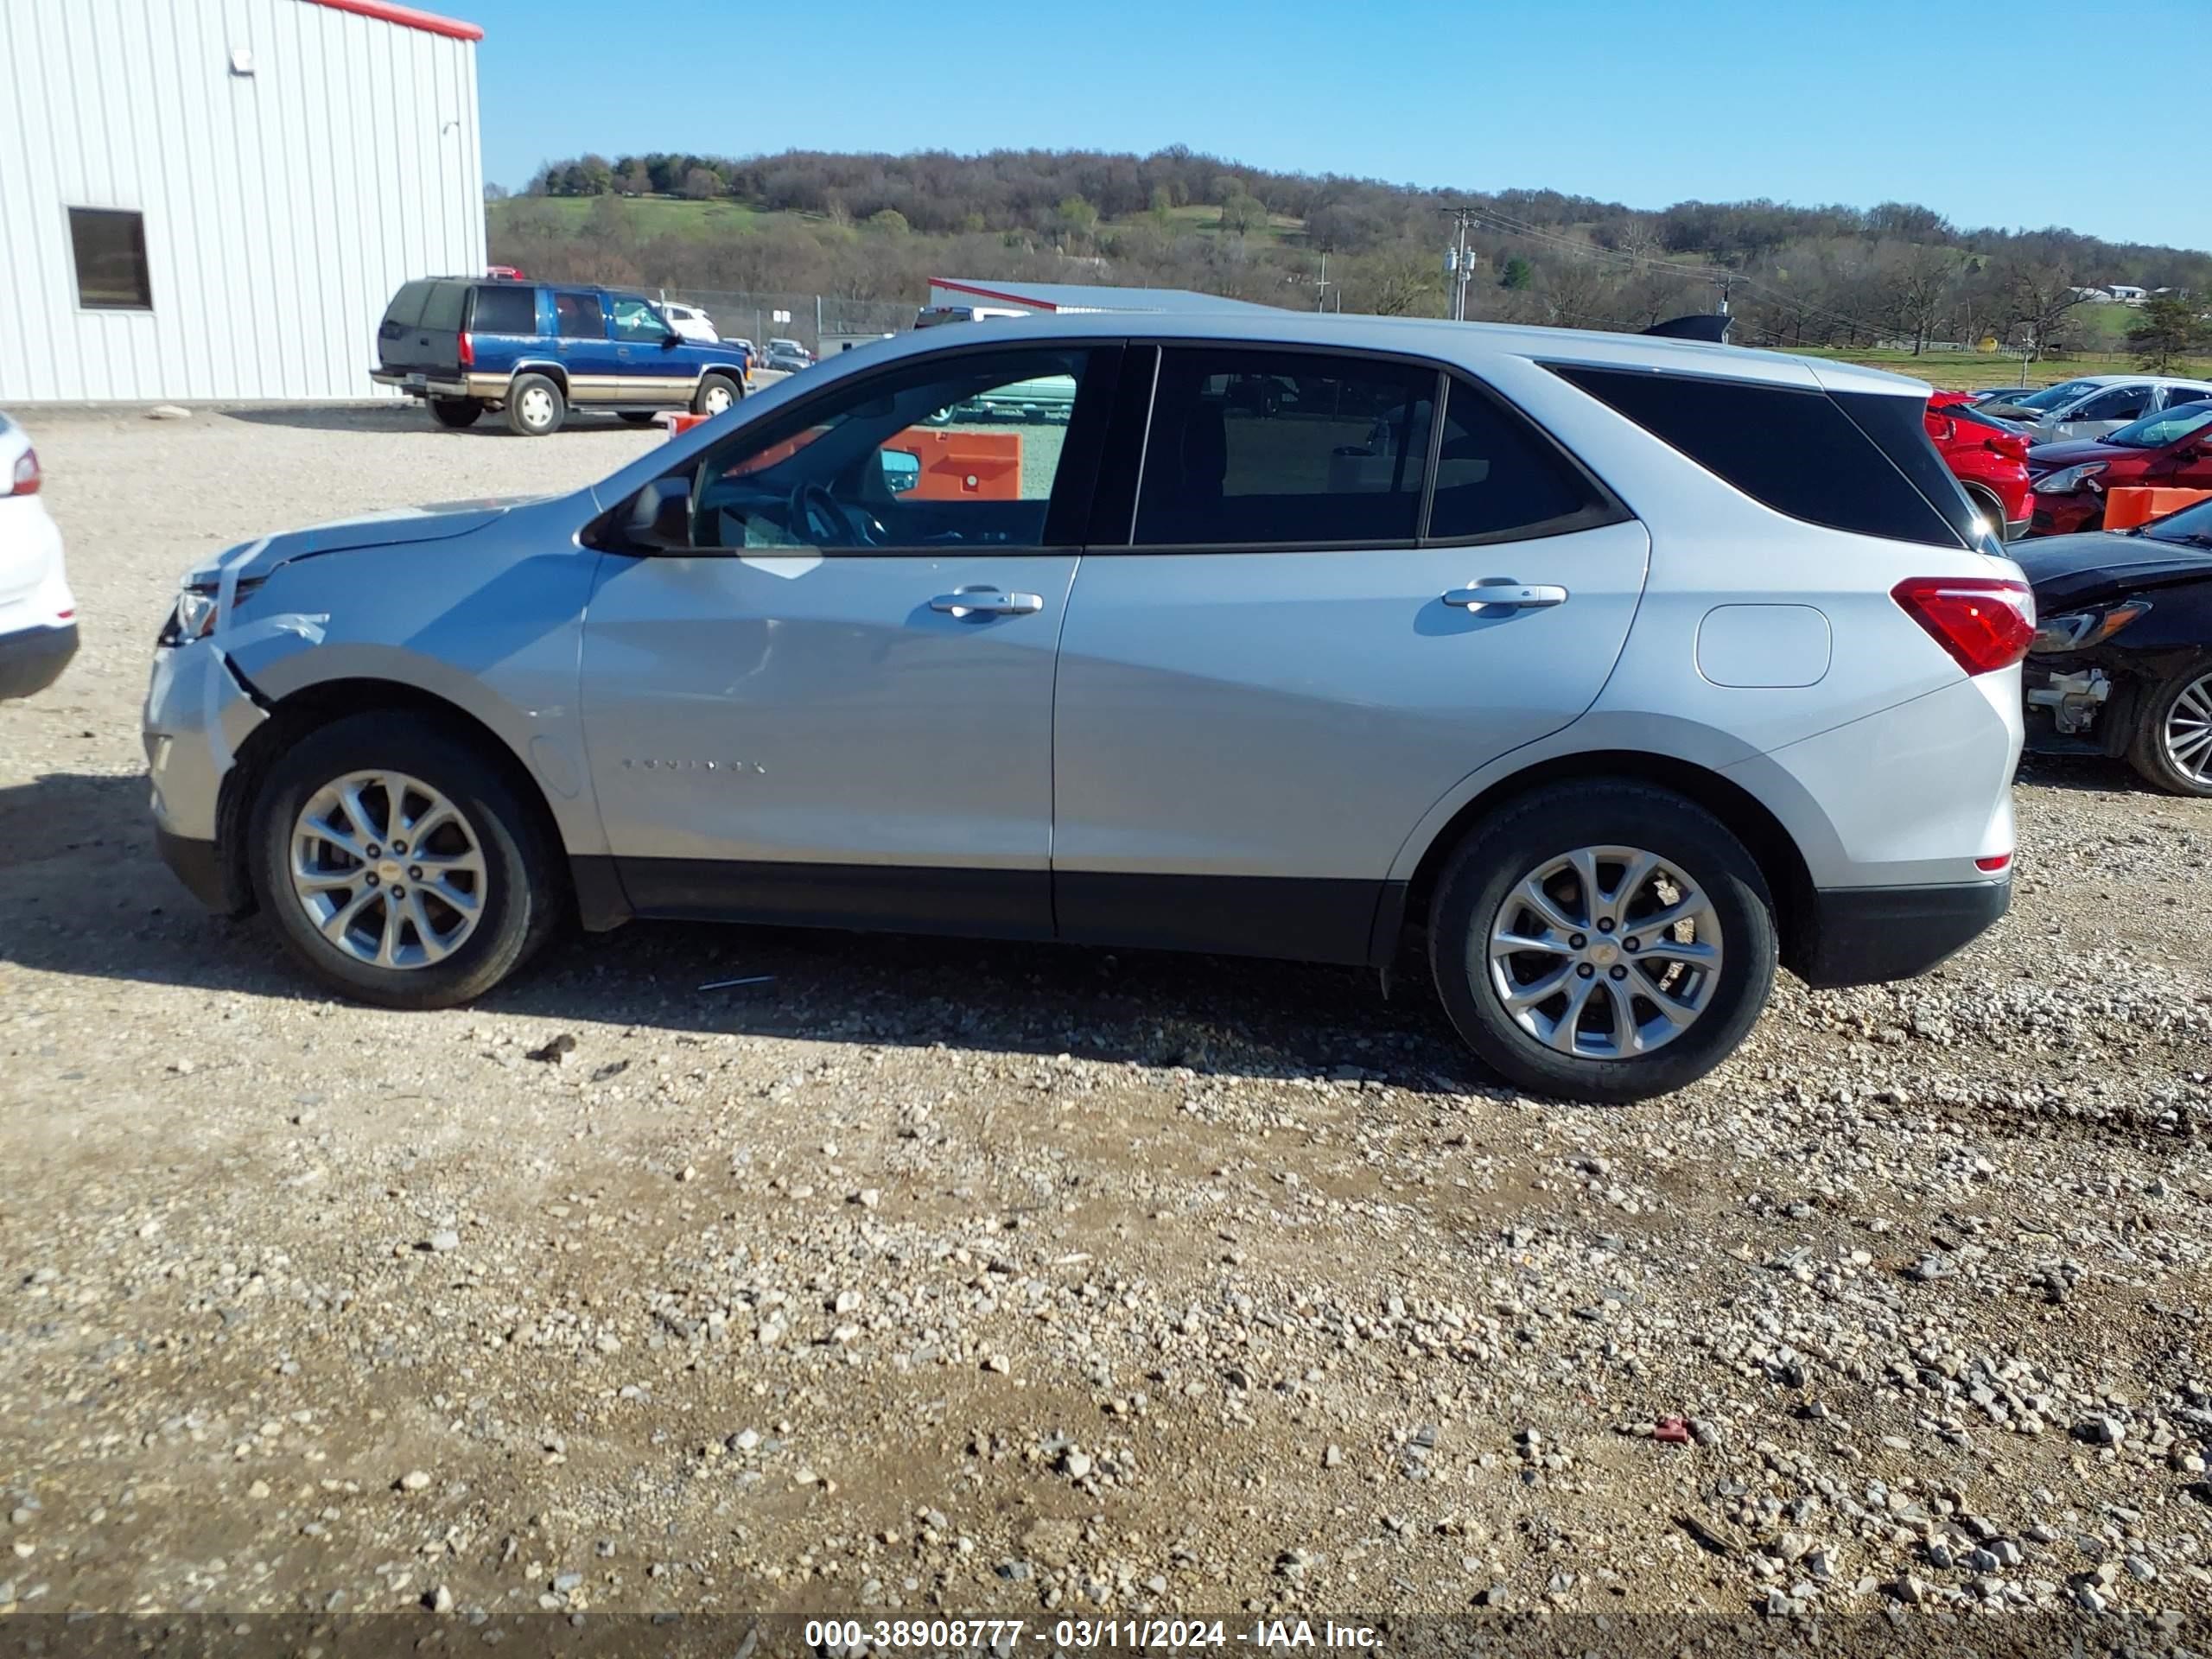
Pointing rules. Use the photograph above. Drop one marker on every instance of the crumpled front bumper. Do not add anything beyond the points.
(198, 714)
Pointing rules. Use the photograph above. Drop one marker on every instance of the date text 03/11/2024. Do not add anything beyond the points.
(1005, 1635)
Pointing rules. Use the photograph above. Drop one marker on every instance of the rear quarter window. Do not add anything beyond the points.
(505, 310)
(1801, 452)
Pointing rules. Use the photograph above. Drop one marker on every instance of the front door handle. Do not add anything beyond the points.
(988, 602)
(1505, 594)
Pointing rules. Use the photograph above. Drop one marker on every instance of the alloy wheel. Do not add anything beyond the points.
(717, 400)
(2187, 736)
(538, 406)
(1604, 953)
(387, 869)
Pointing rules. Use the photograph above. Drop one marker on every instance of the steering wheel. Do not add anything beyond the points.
(827, 522)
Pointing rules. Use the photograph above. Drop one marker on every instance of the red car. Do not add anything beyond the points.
(1988, 460)
(2171, 449)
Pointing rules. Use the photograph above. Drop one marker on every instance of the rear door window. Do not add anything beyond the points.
(406, 307)
(442, 307)
(578, 316)
(1253, 446)
(504, 309)
(1794, 449)
(1498, 475)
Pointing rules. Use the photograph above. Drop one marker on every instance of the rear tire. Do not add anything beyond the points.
(1987, 506)
(454, 413)
(2173, 747)
(716, 394)
(512, 899)
(535, 405)
(1573, 1044)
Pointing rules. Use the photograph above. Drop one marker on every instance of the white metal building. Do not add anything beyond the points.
(214, 198)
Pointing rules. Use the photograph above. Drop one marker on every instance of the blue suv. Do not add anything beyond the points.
(539, 349)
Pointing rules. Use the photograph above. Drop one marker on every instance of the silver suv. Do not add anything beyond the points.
(1611, 671)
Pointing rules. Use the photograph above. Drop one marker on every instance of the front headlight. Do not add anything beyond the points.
(2078, 630)
(2068, 480)
(195, 613)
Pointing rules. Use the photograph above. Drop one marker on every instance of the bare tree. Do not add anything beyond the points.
(1920, 281)
(2038, 296)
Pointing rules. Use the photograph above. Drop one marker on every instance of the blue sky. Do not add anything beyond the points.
(1639, 101)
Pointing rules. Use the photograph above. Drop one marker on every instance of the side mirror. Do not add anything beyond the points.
(660, 516)
(902, 470)
(671, 339)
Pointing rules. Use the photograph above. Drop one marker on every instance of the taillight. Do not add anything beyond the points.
(1985, 622)
(2009, 444)
(1995, 864)
(25, 480)
(468, 353)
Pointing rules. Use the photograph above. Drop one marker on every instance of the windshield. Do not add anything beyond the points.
(2051, 396)
(2191, 524)
(2157, 431)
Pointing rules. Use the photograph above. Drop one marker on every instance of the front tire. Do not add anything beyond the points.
(1604, 941)
(456, 413)
(635, 416)
(2173, 747)
(398, 865)
(716, 393)
(535, 405)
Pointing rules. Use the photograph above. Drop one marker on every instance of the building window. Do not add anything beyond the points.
(111, 249)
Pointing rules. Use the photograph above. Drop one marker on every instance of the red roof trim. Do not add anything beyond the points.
(992, 293)
(406, 18)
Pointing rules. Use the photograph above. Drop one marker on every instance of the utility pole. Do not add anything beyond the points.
(1322, 285)
(1459, 260)
(1723, 284)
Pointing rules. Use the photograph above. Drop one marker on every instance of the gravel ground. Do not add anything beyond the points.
(935, 1275)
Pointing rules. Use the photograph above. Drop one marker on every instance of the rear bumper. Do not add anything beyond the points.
(1862, 936)
(32, 659)
(470, 386)
(201, 866)
(2062, 515)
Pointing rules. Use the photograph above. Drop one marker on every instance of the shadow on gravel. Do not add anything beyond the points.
(2093, 773)
(409, 417)
(82, 892)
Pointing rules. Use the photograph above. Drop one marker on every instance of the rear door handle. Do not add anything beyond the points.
(988, 602)
(1506, 594)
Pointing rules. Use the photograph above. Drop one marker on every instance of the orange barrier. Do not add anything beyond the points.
(2131, 505)
(963, 466)
(677, 422)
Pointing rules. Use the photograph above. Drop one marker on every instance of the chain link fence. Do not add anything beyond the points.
(824, 325)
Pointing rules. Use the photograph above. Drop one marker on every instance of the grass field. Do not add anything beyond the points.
(653, 215)
(1971, 371)
(1203, 218)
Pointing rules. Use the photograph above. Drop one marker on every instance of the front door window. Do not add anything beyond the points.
(638, 322)
(967, 452)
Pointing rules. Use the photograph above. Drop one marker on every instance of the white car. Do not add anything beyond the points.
(2096, 404)
(38, 617)
(689, 321)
